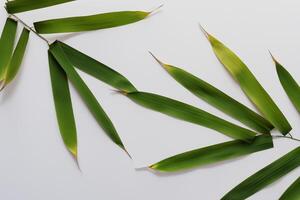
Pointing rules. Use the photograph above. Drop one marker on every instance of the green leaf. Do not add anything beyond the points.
(218, 99)
(17, 57)
(89, 23)
(249, 84)
(63, 105)
(213, 154)
(265, 176)
(293, 192)
(17, 6)
(7, 45)
(191, 114)
(97, 69)
(289, 84)
(85, 93)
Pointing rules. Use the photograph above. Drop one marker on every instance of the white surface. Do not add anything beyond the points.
(34, 162)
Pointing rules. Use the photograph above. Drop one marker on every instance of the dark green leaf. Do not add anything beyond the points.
(218, 99)
(63, 105)
(249, 84)
(191, 114)
(213, 154)
(89, 23)
(293, 192)
(265, 176)
(289, 84)
(17, 57)
(16, 6)
(85, 93)
(97, 69)
(7, 45)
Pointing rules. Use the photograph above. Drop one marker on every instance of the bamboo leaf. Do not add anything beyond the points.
(218, 99)
(265, 176)
(17, 6)
(191, 114)
(85, 93)
(89, 23)
(63, 105)
(289, 84)
(213, 154)
(97, 69)
(7, 45)
(249, 84)
(17, 57)
(293, 192)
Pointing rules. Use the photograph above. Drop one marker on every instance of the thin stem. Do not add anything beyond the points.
(30, 28)
(287, 137)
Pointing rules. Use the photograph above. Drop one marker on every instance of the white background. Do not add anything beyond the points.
(34, 163)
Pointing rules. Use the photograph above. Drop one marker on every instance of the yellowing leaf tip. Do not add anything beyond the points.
(156, 9)
(204, 31)
(273, 58)
(165, 66)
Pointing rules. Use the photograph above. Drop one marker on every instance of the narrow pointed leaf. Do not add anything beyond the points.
(213, 154)
(7, 45)
(85, 93)
(293, 192)
(289, 84)
(89, 23)
(17, 57)
(249, 84)
(97, 69)
(63, 105)
(191, 114)
(17, 6)
(265, 176)
(218, 99)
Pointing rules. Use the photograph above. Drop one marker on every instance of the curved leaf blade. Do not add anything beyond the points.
(89, 23)
(190, 114)
(63, 105)
(249, 84)
(7, 45)
(265, 176)
(218, 99)
(17, 57)
(293, 192)
(289, 84)
(97, 69)
(85, 93)
(17, 6)
(213, 154)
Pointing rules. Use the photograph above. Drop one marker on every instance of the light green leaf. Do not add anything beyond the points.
(89, 23)
(97, 69)
(85, 93)
(218, 99)
(213, 154)
(191, 114)
(265, 176)
(289, 84)
(63, 105)
(293, 192)
(7, 45)
(17, 57)
(17, 6)
(249, 84)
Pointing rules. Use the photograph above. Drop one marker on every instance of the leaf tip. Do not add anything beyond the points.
(155, 10)
(120, 92)
(204, 31)
(2, 85)
(165, 66)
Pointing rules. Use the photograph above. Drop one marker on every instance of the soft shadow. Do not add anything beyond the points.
(10, 89)
(64, 37)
